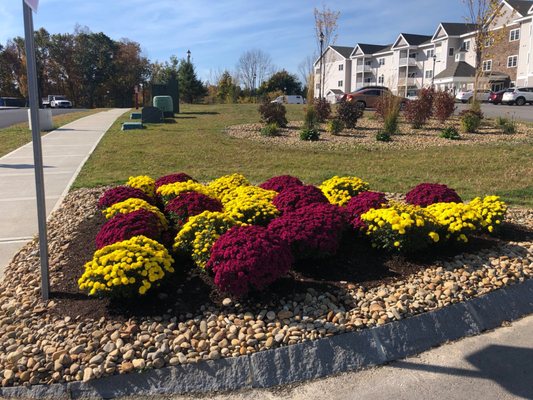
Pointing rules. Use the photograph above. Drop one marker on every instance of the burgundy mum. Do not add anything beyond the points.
(121, 193)
(173, 178)
(188, 204)
(296, 197)
(280, 183)
(430, 193)
(362, 203)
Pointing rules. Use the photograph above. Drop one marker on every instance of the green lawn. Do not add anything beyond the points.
(17, 135)
(197, 145)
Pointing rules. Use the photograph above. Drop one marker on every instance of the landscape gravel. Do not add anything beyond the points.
(40, 347)
(364, 135)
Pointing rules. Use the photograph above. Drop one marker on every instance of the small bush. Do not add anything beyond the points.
(388, 109)
(508, 126)
(189, 204)
(248, 258)
(310, 134)
(310, 118)
(470, 120)
(348, 112)
(417, 112)
(173, 178)
(383, 136)
(323, 109)
(296, 197)
(335, 126)
(443, 106)
(121, 193)
(430, 193)
(270, 130)
(501, 122)
(450, 133)
(273, 113)
(280, 183)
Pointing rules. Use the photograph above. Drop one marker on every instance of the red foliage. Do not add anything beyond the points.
(125, 226)
(121, 193)
(417, 112)
(296, 197)
(248, 258)
(443, 105)
(362, 203)
(280, 183)
(188, 204)
(311, 231)
(173, 178)
(430, 193)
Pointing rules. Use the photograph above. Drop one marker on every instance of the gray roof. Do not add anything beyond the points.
(458, 28)
(521, 6)
(459, 69)
(373, 48)
(343, 50)
(335, 91)
(416, 40)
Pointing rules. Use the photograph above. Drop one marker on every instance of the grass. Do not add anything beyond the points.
(197, 145)
(17, 135)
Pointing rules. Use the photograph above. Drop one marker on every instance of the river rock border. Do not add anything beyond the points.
(285, 365)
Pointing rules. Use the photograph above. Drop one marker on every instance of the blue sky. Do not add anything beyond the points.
(218, 32)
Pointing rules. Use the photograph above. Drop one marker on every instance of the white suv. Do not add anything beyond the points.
(519, 96)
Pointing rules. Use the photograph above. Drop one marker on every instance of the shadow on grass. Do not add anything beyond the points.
(200, 113)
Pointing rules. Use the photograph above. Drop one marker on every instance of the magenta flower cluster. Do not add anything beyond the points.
(125, 226)
(248, 258)
(362, 203)
(173, 178)
(311, 231)
(121, 193)
(281, 183)
(296, 197)
(430, 193)
(188, 204)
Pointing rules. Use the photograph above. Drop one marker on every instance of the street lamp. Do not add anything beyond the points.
(188, 56)
(320, 88)
(433, 71)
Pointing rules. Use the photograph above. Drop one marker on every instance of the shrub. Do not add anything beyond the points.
(492, 211)
(322, 109)
(273, 113)
(457, 220)
(388, 108)
(173, 190)
(443, 105)
(173, 178)
(349, 112)
(400, 227)
(335, 126)
(339, 190)
(501, 122)
(310, 134)
(311, 231)
(417, 112)
(144, 183)
(362, 203)
(383, 136)
(310, 118)
(255, 210)
(470, 120)
(248, 258)
(450, 133)
(425, 194)
(270, 130)
(197, 236)
(127, 268)
(227, 183)
(507, 126)
(125, 226)
(121, 193)
(296, 197)
(189, 204)
(280, 183)
(130, 205)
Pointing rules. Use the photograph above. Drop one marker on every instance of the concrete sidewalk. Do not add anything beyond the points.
(65, 150)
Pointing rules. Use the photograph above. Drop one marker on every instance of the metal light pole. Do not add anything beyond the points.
(188, 56)
(320, 88)
(37, 149)
(253, 85)
(433, 72)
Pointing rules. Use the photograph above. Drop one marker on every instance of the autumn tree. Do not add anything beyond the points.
(282, 81)
(228, 91)
(254, 67)
(326, 26)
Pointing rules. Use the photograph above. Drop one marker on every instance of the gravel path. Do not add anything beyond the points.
(37, 346)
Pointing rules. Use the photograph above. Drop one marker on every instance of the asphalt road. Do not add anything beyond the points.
(519, 113)
(10, 117)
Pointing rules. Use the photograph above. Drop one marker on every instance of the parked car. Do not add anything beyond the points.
(519, 96)
(345, 95)
(369, 97)
(496, 97)
(12, 102)
(289, 99)
(56, 101)
(467, 96)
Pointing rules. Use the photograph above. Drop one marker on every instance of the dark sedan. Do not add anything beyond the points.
(496, 97)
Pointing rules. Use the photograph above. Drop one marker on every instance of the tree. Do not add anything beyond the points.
(227, 92)
(191, 88)
(8, 86)
(282, 81)
(254, 67)
(161, 73)
(326, 23)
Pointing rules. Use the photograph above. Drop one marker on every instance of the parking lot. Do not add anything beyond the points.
(519, 113)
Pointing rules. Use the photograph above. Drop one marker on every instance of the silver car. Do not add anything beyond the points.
(519, 96)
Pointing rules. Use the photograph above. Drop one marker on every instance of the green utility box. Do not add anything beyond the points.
(126, 126)
(165, 104)
(136, 115)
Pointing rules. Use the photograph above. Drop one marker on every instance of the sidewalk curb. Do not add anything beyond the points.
(310, 360)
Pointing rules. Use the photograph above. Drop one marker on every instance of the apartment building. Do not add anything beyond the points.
(445, 60)
(336, 73)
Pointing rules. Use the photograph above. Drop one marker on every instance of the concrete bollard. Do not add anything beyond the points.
(45, 119)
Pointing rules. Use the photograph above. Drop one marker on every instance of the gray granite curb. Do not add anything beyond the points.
(309, 360)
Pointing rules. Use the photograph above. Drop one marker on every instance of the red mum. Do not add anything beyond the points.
(121, 193)
(248, 258)
(280, 183)
(188, 204)
(430, 193)
(173, 178)
(362, 203)
(296, 197)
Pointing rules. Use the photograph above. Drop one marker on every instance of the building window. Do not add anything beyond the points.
(381, 61)
(381, 79)
(317, 71)
(339, 83)
(451, 52)
(512, 61)
(430, 53)
(317, 86)
(368, 80)
(466, 45)
(341, 67)
(514, 35)
(429, 74)
(489, 41)
(487, 65)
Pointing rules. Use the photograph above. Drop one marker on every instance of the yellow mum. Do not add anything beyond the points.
(144, 183)
(339, 190)
(221, 186)
(172, 190)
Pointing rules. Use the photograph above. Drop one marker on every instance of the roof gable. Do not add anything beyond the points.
(410, 39)
(447, 29)
(522, 7)
(459, 69)
(344, 51)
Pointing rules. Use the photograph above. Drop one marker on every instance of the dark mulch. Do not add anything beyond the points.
(189, 289)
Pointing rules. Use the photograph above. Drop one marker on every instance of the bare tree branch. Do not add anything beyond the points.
(254, 67)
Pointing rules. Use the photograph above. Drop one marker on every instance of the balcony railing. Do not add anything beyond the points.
(407, 61)
(363, 68)
(408, 81)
